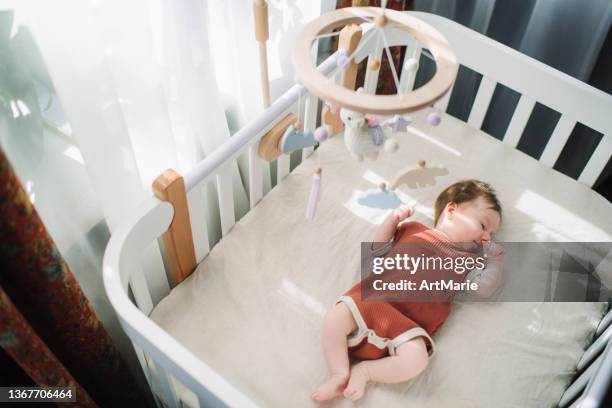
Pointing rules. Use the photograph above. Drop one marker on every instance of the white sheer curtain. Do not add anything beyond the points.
(236, 56)
(144, 85)
(137, 86)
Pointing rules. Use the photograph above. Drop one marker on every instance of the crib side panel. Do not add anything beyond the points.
(594, 373)
(165, 362)
(535, 82)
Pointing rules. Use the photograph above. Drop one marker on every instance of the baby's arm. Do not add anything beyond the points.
(386, 230)
(490, 278)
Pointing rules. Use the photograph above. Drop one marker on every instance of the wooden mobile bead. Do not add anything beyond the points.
(422, 164)
(411, 65)
(374, 64)
(380, 21)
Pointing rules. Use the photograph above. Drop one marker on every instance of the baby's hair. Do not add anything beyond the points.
(464, 191)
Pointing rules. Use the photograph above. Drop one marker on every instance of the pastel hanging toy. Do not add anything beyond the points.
(399, 123)
(434, 119)
(315, 192)
(380, 197)
(321, 134)
(417, 176)
(363, 135)
(294, 138)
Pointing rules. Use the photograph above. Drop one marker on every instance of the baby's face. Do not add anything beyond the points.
(472, 221)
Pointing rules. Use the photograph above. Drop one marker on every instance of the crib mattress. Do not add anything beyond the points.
(253, 308)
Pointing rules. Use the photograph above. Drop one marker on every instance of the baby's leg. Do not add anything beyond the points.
(410, 360)
(337, 325)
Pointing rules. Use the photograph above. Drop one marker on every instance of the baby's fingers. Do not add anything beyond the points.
(402, 212)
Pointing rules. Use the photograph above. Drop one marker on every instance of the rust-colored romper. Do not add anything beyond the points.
(382, 325)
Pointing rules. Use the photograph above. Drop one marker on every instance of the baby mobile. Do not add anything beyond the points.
(349, 109)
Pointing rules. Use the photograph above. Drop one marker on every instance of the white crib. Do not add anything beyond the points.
(165, 360)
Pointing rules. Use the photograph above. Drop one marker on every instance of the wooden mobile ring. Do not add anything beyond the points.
(307, 73)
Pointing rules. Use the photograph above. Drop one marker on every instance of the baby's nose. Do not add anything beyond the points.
(486, 237)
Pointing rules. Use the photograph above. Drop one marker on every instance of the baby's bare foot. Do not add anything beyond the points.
(330, 389)
(357, 382)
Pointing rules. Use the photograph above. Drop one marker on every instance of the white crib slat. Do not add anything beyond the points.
(597, 162)
(226, 198)
(142, 359)
(310, 120)
(196, 202)
(557, 140)
(604, 324)
(519, 121)
(170, 396)
(481, 103)
(255, 176)
(371, 76)
(578, 385)
(577, 403)
(442, 103)
(594, 349)
(407, 78)
(282, 167)
(153, 269)
(140, 290)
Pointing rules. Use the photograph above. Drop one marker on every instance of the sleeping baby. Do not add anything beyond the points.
(392, 340)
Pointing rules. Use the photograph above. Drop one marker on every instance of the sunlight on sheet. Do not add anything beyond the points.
(548, 214)
(431, 139)
(300, 297)
(377, 215)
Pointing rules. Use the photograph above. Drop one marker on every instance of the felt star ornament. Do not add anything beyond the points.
(399, 123)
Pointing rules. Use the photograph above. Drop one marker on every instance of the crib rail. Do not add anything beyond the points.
(576, 101)
(120, 267)
(166, 362)
(594, 371)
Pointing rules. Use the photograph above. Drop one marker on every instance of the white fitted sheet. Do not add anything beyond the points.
(252, 310)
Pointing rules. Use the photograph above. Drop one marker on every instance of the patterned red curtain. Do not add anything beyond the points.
(47, 325)
(385, 85)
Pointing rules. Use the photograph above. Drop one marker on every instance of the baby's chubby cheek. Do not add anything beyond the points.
(465, 233)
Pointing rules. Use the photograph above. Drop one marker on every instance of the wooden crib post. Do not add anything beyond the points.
(177, 240)
(349, 39)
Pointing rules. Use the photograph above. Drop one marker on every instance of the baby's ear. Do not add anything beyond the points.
(450, 209)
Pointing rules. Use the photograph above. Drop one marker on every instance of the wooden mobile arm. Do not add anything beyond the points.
(260, 11)
(349, 39)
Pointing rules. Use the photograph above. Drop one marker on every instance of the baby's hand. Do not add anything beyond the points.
(402, 212)
(493, 250)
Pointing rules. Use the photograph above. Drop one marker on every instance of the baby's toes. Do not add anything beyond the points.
(352, 393)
